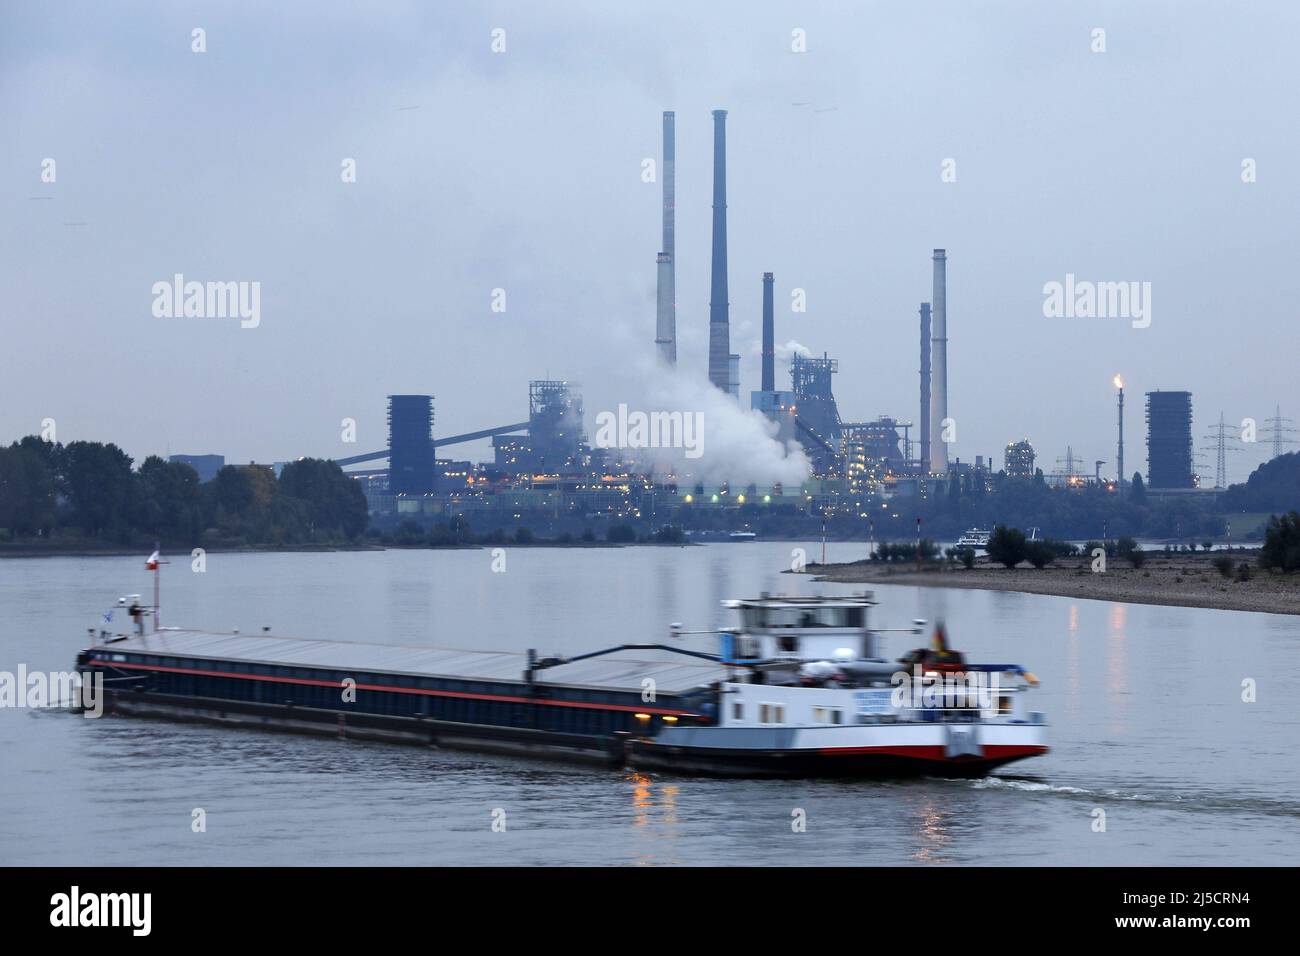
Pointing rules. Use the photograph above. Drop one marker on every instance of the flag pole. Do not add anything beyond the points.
(157, 585)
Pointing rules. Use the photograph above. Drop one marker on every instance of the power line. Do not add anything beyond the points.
(1280, 429)
(1222, 444)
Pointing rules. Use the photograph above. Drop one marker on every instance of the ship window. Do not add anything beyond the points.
(737, 710)
(764, 714)
(779, 714)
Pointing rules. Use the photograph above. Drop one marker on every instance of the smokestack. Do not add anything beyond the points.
(719, 325)
(666, 278)
(939, 361)
(769, 336)
(1119, 458)
(925, 386)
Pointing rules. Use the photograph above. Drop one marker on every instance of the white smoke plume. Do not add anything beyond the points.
(738, 444)
(792, 348)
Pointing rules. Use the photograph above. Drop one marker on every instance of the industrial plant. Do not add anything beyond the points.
(544, 469)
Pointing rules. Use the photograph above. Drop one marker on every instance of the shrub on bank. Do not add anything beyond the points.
(1039, 554)
(1281, 548)
(1007, 546)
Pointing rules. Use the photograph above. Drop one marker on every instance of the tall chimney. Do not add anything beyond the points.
(769, 336)
(666, 298)
(925, 386)
(719, 326)
(939, 360)
(1119, 486)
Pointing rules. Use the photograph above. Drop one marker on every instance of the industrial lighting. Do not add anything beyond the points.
(669, 720)
(642, 716)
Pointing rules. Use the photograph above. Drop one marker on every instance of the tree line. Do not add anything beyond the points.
(90, 491)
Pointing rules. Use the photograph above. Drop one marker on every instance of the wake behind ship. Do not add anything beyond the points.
(798, 688)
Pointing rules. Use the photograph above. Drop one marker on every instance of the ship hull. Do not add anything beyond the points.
(959, 749)
(878, 761)
(873, 764)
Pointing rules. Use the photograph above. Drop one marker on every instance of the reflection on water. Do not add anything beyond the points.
(1143, 704)
(1073, 676)
(932, 835)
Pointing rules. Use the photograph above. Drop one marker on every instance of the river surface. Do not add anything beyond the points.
(1145, 710)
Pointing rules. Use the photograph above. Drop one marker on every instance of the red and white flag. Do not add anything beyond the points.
(152, 563)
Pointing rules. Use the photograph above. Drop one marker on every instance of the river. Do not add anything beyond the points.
(1145, 708)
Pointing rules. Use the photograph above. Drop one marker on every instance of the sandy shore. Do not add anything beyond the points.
(1182, 580)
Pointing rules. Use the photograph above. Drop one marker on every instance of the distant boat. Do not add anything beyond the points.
(974, 538)
(743, 536)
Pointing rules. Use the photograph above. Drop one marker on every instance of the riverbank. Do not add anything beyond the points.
(1179, 580)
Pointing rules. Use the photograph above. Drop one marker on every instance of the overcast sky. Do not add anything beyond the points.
(522, 170)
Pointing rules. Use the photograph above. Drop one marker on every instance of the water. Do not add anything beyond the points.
(1144, 704)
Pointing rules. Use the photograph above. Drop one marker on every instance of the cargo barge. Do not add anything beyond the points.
(797, 689)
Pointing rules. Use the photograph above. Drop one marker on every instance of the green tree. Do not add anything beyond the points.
(332, 504)
(242, 498)
(1006, 546)
(27, 491)
(169, 503)
(1281, 548)
(99, 486)
(1039, 554)
(1138, 489)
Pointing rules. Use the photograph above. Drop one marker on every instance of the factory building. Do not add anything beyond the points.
(880, 440)
(1169, 440)
(817, 415)
(207, 466)
(780, 408)
(410, 444)
(556, 443)
(1020, 459)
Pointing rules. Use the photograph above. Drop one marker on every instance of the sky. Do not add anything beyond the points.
(522, 170)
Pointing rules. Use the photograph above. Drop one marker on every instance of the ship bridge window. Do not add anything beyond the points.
(831, 617)
(771, 713)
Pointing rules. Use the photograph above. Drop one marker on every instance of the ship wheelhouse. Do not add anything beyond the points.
(801, 629)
